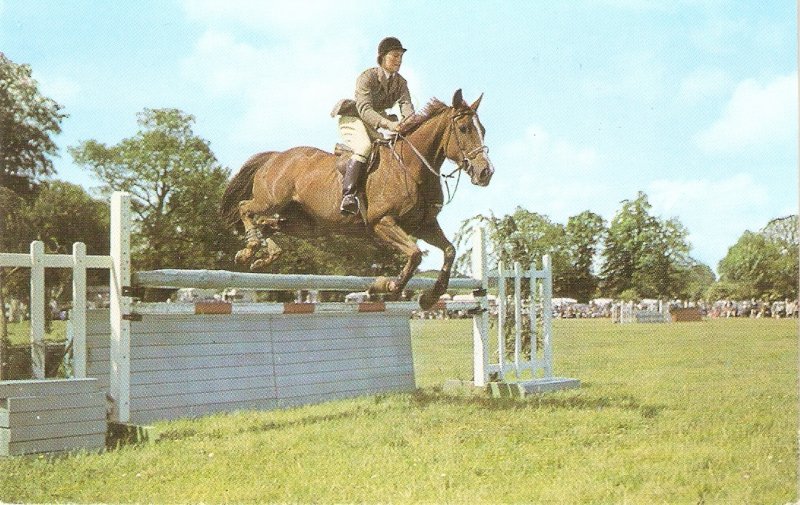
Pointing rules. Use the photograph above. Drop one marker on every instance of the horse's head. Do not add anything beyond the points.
(465, 141)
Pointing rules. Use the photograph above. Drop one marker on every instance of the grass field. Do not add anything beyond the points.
(681, 413)
(20, 333)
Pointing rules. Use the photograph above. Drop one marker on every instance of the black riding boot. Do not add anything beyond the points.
(352, 175)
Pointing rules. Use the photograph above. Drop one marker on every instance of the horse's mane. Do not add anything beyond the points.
(411, 123)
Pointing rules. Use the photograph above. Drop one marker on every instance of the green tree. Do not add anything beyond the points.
(28, 121)
(64, 213)
(14, 237)
(523, 236)
(645, 254)
(584, 235)
(700, 277)
(176, 185)
(764, 265)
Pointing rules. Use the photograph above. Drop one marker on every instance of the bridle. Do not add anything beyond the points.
(467, 157)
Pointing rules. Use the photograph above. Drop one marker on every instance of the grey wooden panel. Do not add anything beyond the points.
(342, 354)
(174, 351)
(83, 442)
(43, 404)
(97, 322)
(194, 338)
(38, 417)
(46, 387)
(331, 344)
(343, 376)
(334, 365)
(182, 363)
(179, 323)
(192, 411)
(207, 387)
(185, 400)
(342, 333)
(322, 321)
(191, 374)
(48, 431)
(371, 385)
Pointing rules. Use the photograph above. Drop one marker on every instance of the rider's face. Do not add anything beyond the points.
(392, 60)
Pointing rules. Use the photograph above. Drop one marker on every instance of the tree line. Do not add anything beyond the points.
(176, 184)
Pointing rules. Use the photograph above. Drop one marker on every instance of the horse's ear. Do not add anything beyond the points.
(458, 99)
(477, 102)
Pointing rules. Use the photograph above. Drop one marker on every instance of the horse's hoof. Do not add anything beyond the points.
(382, 285)
(244, 256)
(262, 263)
(259, 265)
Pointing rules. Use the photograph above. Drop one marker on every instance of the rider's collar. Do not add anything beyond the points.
(386, 74)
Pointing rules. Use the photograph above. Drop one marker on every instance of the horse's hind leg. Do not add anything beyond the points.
(252, 234)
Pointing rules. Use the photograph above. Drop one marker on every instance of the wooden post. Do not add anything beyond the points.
(517, 317)
(37, 308)
(501, 319)
(480, 321)
(547, 315)
(78, 315)
(120, 306)
(532, 308)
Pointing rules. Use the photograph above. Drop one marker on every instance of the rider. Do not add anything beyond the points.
(377, 89)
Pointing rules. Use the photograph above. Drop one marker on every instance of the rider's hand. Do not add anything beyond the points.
(392, 126)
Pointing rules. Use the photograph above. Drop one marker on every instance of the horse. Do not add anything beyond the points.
(298, 191)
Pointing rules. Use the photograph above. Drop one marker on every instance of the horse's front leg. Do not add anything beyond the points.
(388, 231)
(432, 233)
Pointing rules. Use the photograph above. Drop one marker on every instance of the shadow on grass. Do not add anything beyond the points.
(258, 426)
(421, 399)
(567, 400)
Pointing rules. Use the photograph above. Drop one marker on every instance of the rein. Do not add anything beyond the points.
(464, 164)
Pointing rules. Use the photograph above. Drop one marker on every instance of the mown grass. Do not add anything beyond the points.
(682, 413)
(20, 333)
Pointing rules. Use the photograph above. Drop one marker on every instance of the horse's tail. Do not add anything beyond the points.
(240, 188)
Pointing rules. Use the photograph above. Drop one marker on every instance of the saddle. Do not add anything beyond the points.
(343, 153)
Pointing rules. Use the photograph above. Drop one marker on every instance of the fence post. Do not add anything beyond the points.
(37, 308)
(120, 306)
(480, 321)
(536, 363)
(547, 315)
(78, 314)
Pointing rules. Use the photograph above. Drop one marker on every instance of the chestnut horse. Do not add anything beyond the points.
(298, 192)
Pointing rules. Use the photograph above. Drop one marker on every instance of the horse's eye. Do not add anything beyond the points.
(463, 129)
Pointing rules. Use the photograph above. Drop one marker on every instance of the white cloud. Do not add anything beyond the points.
(277, 85)
(702, 84)
(539, 147)
(716, 212)
(757, 116)
(284, 65)
(544, 172)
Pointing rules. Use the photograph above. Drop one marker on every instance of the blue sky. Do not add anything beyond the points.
(586, 103)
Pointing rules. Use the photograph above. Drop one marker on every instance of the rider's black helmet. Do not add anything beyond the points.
(388, 44)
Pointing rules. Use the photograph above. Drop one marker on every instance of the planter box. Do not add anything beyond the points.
(684, 315)
(56, 415)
